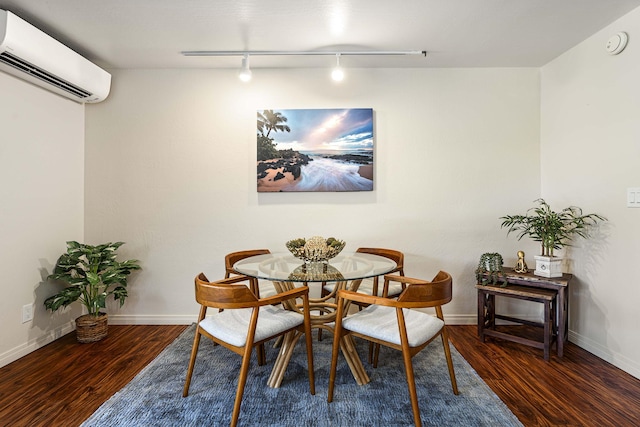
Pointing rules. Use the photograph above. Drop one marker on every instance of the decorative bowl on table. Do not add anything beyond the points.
(315, 249)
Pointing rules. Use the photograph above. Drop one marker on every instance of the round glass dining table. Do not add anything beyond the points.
(283, 267)
(346, 271)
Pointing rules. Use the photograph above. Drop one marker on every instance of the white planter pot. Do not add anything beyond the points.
(548, 266)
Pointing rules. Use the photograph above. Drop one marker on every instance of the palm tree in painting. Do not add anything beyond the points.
(270, 120)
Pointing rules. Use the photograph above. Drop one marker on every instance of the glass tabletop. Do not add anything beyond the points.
(284, 267)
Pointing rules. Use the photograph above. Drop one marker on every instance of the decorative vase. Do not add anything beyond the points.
(91, 328)
(548, 266)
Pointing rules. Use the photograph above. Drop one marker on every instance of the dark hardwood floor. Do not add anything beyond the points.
(65, 382)
(578, 389)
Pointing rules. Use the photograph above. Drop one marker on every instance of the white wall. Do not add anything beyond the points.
(590, 145)
(41, 207)
(170, 170)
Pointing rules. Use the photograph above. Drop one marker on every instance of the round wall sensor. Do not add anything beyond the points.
(617, 43)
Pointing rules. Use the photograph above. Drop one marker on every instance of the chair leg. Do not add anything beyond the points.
(411, 383)
(192, 362)
(261, 355)
(242, 380)
(337, 337)
(312, 380)
(447, 353)
(376, 353)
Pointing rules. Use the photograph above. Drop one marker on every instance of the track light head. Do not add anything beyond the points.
(245, 71)
(337, 74)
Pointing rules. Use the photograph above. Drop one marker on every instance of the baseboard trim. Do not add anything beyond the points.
(605, 353)
(123, 319)
(33, 344)
(461, 319)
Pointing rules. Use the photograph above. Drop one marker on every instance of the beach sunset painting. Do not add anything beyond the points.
(315, 150)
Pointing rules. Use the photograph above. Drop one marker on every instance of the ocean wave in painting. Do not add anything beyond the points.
(324, 174)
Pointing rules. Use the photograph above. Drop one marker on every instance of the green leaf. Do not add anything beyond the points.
(120, 294)
(63, 298)
(93, 278)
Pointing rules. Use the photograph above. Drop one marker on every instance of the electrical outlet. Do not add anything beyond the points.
(27, 313)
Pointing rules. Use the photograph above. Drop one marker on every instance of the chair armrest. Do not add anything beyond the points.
(234, 279)
(287, 295)
(366, 299)
(402, 279)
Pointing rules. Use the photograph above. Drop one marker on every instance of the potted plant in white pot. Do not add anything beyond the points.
(553, 230)
(91, 274)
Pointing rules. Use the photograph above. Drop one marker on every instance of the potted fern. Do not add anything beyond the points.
(91, 274)
(553, 230)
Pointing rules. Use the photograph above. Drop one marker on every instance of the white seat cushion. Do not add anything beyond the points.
(381, 322)
(232, 326)
(366, 287)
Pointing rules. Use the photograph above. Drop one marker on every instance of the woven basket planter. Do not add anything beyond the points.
(90, 328)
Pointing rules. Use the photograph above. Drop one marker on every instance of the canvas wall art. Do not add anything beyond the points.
(315, 150)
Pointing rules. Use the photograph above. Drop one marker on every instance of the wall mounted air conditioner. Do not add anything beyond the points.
(28, 53)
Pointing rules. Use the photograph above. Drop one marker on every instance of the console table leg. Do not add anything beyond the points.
(547, 328)
(563, 316)
(481, 314)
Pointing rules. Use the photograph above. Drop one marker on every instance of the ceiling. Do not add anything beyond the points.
(456, 33)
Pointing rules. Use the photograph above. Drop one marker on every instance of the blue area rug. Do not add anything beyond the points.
(154, 396)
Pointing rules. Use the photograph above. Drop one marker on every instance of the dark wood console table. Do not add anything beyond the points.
(552, 292)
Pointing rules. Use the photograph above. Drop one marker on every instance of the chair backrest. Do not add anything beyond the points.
(234, 257)
(428, 294)
(226, 293)
(392, 254)
(396, 256)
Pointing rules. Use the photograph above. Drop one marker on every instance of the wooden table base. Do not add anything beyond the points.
(286, 350)
(322, 321)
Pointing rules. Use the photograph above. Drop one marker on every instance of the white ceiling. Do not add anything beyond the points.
(456, 33)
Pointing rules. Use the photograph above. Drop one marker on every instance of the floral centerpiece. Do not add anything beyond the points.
(315, 249)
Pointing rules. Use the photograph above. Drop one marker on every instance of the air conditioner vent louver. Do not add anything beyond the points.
(31, 55)
(41, 74)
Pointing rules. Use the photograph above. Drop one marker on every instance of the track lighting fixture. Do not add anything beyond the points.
(337, 74)
(245, 71)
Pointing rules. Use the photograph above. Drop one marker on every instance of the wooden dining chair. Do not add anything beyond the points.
(262, 288)
(245, 323)
(371, 286)
(396, 324)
